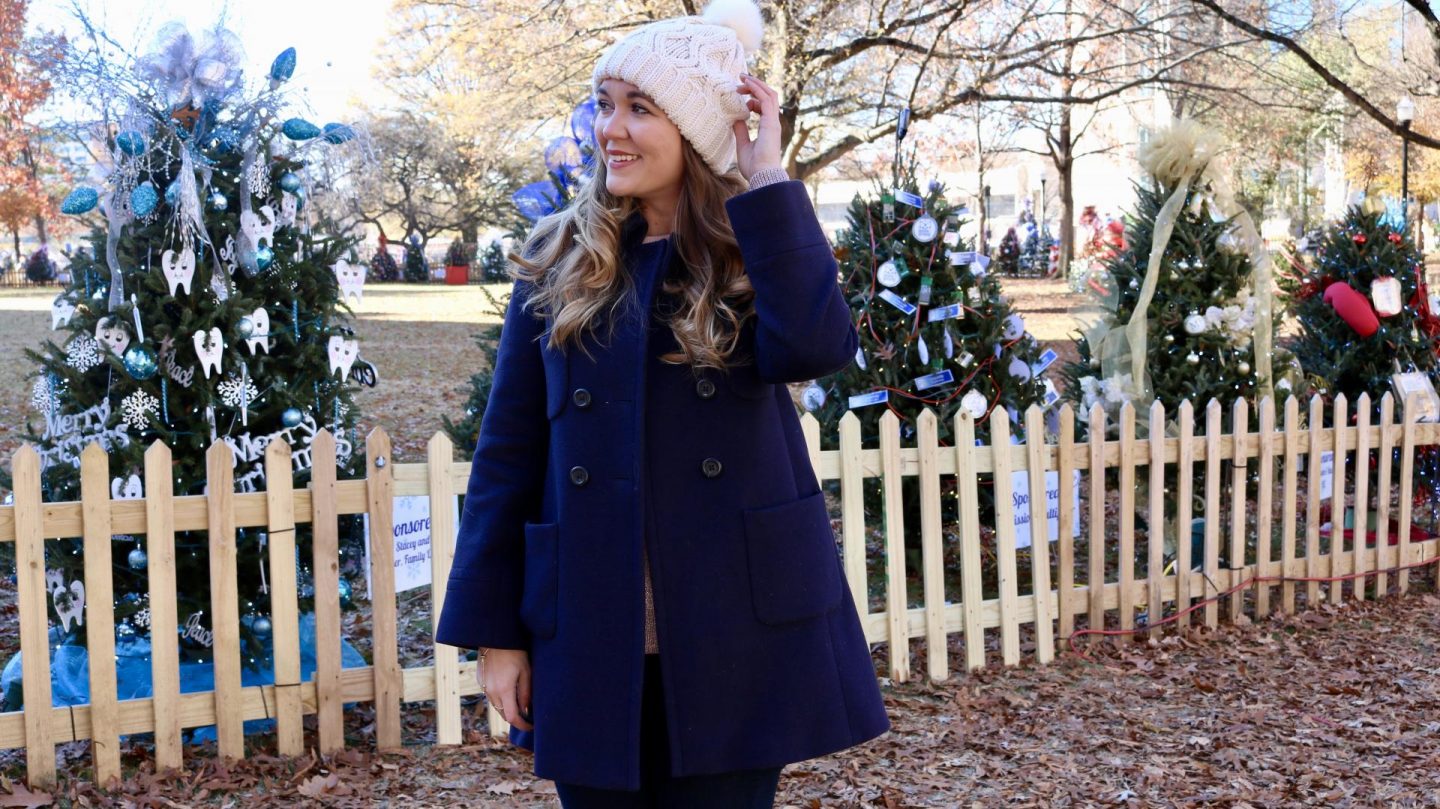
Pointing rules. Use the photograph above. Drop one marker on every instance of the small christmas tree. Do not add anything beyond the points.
(1007, 256)
(209, 310)
(1186, 315)
(935, 331)
(492, 263)
(1363, 309)
(382, 265)
(417, 270)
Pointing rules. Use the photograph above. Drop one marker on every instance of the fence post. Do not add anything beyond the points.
(932, 551)
(1288, 523)
(971, 590)
(1360, 555)
(1383, 556)
(1065, 568)
(224, 599)
(1239, 427)
(1264, 499)
(164, 623)
(896, 601)
(34, 617)
(1155, 533)
(1312, 501)
(1005, 538)
(325, 561)
(1407, 488)
(1213, 483)
(1126, 558)
(1184, 512)
(100, 613)
(852, 512)
(380, 488)
(1337, 499)
(1096, 540)
(440, 456)
(284, 600)
(1040, 533)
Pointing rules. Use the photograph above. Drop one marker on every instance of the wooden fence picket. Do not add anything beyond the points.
(1239, 428)
(1065, 452)
(1360, 555)
(325, 562)
(1263, 503)
(1341, 432)
(1005, 563)
(852, 513)
(34, 616)
(1095, 540)
(1213, 484)
(1384, 559)
(1313, 462)
(224, 599)
(1127, 524)
(439, 457)
(932, 549)
(284, 598)
(897, 611)
(1407, 482)
(1289, 491)
(1155, 531)
(164, 622)
(100, 613)
(1184, 513)
(967, 483)
(380, 491)
(1039, 534)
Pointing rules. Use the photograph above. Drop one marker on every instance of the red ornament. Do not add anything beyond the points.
(1353, 308)
(1395, 238)
(1360, 238)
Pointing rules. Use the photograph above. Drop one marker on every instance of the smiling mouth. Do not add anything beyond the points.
(619, 163)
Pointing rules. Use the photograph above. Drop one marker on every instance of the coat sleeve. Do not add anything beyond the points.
(803, 328)
(482, 599)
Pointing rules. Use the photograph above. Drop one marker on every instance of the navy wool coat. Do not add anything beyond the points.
(581, 459)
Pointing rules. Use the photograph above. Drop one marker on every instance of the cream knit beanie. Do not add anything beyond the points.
(691, 67)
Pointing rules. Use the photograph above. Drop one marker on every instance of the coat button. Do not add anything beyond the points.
(581, 397)
(711, 467)
(579, 475)
(705, 388)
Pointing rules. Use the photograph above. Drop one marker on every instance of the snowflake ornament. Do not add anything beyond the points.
(44, 396)
(235, 393)
(82, 353)
(138, 408)
(258, 178)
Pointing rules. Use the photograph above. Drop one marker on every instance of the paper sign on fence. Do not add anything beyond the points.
(1020, 494)
(1327, 474)
(412, 542)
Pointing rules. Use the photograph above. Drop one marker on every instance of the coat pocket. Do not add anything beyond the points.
(794, 565)
(539, 601)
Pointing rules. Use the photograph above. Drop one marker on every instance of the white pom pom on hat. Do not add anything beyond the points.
(691, 67)
(740, 16)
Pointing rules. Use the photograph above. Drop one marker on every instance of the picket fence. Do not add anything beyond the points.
(1047, 612)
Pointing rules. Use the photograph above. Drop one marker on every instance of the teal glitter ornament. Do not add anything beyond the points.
(289, 182)
(264, 256)
(140, 362)
(284, 66)
(144, 199)
(300, 129)
(130, 142)
(81, 200)
(338, 133)
(137, 559)
(345, 592)
(172, 193)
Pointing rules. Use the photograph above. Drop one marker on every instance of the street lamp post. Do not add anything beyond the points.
(1405, 114)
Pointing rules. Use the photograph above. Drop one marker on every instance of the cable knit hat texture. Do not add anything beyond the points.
(691, 67)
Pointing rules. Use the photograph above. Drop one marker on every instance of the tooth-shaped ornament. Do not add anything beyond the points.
(351, 279)
(260, 334)
(209, 348)
(342, 354)
(130, 488)
(110, 334)
(179, 269)
(61, 311)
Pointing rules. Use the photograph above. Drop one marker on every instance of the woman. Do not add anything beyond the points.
(641, 491)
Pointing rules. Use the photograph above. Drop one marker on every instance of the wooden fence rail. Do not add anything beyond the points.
(1185, 468)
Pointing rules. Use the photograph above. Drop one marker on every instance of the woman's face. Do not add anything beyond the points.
(640, 146)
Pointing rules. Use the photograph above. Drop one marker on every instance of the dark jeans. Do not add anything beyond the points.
(742, 789)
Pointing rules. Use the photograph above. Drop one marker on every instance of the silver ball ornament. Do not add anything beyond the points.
(261, 625)
(246, 326)
(1192, 358)
(218, 201)
(1243, 368)
(137, 559)
(291, 417)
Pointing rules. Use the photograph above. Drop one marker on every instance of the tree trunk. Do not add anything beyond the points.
(39, 216)
(19, 260)
(1063, 154)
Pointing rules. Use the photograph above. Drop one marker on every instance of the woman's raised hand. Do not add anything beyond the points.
(764, 151)
(505, 679)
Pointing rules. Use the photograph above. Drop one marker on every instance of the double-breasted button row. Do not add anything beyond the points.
(579, 475)
(711, 467)
(581, 397)
(705, 388)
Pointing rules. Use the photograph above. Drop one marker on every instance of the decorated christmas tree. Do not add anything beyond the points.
(1188, 311)
(210, 309)
(1363, 309)
(417, 269)
(382, 264)
(935, 331)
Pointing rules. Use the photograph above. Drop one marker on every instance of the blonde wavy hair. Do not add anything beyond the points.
(573, 259)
